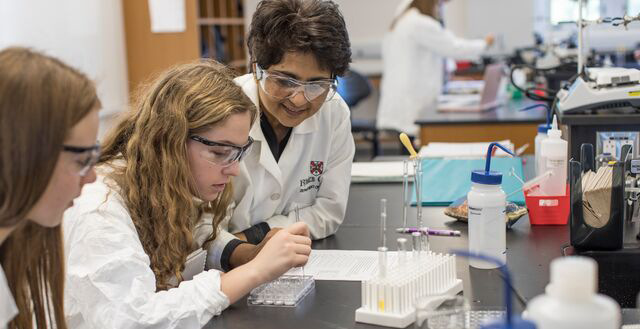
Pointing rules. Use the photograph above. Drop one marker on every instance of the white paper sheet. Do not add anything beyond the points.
(343, 265)
(167, 16)
(462, 150)
(379, 171)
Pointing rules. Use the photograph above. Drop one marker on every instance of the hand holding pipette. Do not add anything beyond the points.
(297, 211)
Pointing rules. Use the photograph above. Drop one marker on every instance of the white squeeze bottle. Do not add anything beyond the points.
(487, 214)
(542, 134)
(571, 301)
(554, 151)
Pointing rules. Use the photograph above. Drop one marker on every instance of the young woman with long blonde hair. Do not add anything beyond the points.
(48, 128)
(136, 240)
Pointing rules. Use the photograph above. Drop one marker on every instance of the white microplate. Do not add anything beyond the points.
(287, 290)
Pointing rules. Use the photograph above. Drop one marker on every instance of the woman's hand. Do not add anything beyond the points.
(287, 248)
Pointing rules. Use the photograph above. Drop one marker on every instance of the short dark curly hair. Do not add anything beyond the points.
(315, 26)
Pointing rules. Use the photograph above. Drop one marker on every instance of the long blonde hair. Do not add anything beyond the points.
(153, 173)
(41, 99)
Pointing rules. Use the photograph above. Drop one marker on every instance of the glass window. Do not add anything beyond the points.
(567, 10)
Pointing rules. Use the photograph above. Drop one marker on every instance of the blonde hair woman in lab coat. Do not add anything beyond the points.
(413, 52)
(48, 128)
(136, 240)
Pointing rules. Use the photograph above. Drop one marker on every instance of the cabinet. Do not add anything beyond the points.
(222, 32)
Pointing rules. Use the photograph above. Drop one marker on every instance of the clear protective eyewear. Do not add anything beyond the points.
(281, 87)
(222, 154)
(85, 157)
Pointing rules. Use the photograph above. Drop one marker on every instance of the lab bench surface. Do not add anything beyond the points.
(333, 303)
(504, 122)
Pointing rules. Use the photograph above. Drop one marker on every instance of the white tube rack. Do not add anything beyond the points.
(389, 301)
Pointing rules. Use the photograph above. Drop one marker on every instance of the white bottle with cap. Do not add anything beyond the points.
(554, 151)
(571, 301)
(487, 214)
(542, 135)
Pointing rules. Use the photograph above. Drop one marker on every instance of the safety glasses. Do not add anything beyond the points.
(222, 154)
(84, 157)
(281, 87)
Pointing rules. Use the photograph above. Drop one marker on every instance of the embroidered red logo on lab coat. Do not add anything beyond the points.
(316, 168)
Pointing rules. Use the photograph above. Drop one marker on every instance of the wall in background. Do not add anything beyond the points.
(368, 20)
(87, 35)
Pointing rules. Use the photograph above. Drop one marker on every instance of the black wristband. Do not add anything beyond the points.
(256, 233)
(225, 258)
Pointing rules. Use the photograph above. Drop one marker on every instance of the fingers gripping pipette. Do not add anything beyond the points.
(297, 211)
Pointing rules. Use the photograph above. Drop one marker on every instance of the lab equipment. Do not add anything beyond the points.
(545, 209)
(417, 183)
(297, 210)
(571, 301)
(592, 229)
(441, 312)
(402, 251)
(389, 301)
(428, 231)
(554, 152)
(487, 214)
(509, 321)
(603, 160)
(599, 99)
(382, 250)
(287, 290)
(405, 191)
(542, 135)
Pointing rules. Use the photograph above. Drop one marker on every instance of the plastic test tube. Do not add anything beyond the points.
(383, 222)
(382, 250)
(417, 182)
(415, 236)
(402, 251)
(405, 192)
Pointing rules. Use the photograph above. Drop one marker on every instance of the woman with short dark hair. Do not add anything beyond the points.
(300, 168)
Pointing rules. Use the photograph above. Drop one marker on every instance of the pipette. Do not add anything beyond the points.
(405, 192)
(382, 250)
(297, 211)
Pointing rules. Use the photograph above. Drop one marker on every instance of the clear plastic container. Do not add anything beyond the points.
(542, 135)
(554, 151)
(441, 312)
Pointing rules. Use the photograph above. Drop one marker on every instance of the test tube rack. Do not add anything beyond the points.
(389, 300)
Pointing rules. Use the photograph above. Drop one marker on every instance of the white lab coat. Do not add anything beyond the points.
(8, 308)
(268, 191)
(413, 54)
(110, 283)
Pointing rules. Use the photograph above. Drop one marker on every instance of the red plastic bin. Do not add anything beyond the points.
(548, 210)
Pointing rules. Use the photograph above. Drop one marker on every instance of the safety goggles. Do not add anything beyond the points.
(84, 157)
(222, 154)
(281, 87)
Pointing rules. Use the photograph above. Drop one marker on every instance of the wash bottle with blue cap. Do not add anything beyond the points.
(487, 216)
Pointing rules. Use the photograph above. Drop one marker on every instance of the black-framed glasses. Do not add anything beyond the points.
(222, 154)
(86, 157)
(281, 87)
